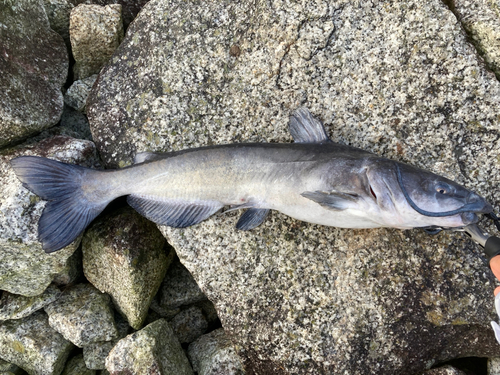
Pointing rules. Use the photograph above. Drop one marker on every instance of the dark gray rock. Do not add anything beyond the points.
(399, 79)
(83, 315)
(124, 255)
(76, 96)
(179, 288)
(445, 370)
(189, 324)
(25, 268)
(214, 354)
(13, 306)
(7, 368)
(34, 65)
(76, 366)
(152, 350)
(33, 345)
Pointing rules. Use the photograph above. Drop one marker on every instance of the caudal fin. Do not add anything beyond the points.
(68, 210)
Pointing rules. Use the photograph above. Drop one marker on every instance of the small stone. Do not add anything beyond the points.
(33, 345)
(213, 354)
(95, 354)
(124, 255)
(71, 271)
(76, 366)
(95, 33)
(83, 315)
(179, 288)
(76, 96)
(152, 350)
(13, 306)
(7, 368)
(494, 366)
(189, 324)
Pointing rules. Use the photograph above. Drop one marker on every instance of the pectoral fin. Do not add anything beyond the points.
(332, 200)
(177, 214)
(252, 218)
(307, 129)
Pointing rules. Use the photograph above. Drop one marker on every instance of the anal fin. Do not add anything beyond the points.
(174, 213)
(252, 218)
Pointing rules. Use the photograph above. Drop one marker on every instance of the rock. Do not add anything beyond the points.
(82, 315)
(480, 19)
(75, 124)
(95, 354)
(72, 270)
(13, 306)
(95, 33)
(494, 366)
(33, 345)
(397, 79)
(153, 349)
(213, 353)
(76, 96)
(34, 66)
(124, 256)
(76, 366)
(445, 370)
(25, 268)
(189, 324)
(179, 288)
(7, 368)
(58, 12)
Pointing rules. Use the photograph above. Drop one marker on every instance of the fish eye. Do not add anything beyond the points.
(442, 188)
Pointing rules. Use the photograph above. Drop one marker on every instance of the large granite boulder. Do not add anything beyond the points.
(34, 66)
(399, 79)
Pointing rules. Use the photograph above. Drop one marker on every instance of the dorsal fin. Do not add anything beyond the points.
(307, 129)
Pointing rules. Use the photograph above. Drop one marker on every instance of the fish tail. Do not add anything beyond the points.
(70, 207)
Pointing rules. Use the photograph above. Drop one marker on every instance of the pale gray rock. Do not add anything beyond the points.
(25, 268)
(399, 79)
(153, 349)
(444, 370)
(83, 315)
(481, 19)
(76, 366)
(76, 96)
(214, 354)
(95, 354)
(33, 345)
(124, 255)
(13, 306)
(494, 366)
(179, 288)
(34, 67)
(95, 32)
(130, 8)
(189, 324)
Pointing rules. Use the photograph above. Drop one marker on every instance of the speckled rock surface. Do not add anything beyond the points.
(7, 368)
(33, 345)
(481, 19)
(153, 349)
(95, 354)
(494, 366)
(25, 268)
(76, 366)
(58, 12)
(76, 96)
(213, 354)
(34, 64)
(179, 288)
(189, 324)
(124, 255)
(95, 32)
(14, 306)
(83, 315)
(445, 370)
(399, 79)
(130, 8)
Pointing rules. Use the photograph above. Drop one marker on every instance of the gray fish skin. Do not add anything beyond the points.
(322, 182)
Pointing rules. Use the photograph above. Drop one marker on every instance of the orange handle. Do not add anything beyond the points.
(495, 268)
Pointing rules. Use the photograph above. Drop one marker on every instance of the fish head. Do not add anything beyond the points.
(419, 198)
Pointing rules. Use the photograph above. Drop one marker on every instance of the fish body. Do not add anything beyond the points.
(313, 180)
